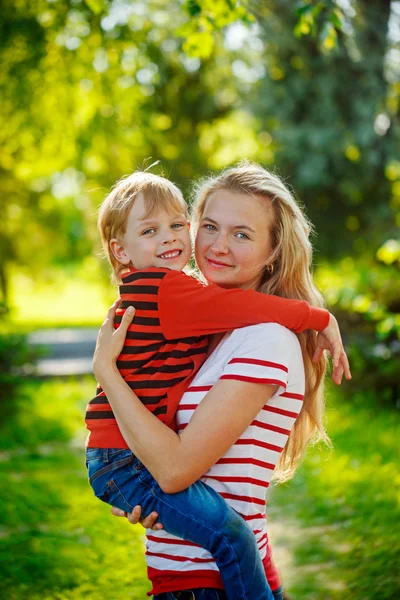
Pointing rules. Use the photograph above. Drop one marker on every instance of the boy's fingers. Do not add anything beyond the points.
(317, 354)
(337, 374)
(345, 361)
(337, 350)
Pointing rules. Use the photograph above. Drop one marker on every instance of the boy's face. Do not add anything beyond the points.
(161, 240)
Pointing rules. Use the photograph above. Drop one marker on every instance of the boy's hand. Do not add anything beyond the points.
(331, 340)
(149, 522)
(110, 341)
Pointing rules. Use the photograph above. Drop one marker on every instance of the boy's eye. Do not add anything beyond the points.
(177, 225)
(148, 231)
(242, 236)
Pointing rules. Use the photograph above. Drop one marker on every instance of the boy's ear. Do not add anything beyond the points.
(188, 225)
(118, 251)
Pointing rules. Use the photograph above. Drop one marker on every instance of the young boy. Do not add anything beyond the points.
(145, 233)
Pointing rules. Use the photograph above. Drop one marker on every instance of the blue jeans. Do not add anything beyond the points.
(198, 514)
(205, 594)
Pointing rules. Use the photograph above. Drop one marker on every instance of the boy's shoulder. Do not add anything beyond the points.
(158, 273)
(135, 275)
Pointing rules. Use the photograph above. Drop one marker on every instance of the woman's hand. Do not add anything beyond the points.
(149, 522)
(331, 340)
(110, 341)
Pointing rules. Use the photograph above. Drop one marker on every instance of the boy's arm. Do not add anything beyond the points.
(187, 307)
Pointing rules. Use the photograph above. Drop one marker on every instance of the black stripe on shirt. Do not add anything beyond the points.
(161, 410)
(138, 305)
(142, 349)
(143, 275)
(148, 321)
(136, 364)
(99, 400)
(155, 384)
(100, 414)
(165, 369)
(139, 335)
(149, 400)
(139, 289)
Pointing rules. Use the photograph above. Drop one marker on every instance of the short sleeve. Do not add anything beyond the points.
(261, 354)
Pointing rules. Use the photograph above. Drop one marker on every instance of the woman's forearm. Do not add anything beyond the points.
(178, 461)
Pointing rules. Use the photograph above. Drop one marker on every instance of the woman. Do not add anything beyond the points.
(258, 397)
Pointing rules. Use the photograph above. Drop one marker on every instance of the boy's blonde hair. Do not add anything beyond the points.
(159, 194)
(291, 278)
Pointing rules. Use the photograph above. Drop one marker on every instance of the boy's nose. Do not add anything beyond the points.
(169, 237)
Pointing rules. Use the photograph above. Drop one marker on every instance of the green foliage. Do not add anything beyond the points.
(15, 356)
(337, 521)
(55, 536)
(364, 296)
(208, 17)
(322, 20)
(92, 89)
(340, 514)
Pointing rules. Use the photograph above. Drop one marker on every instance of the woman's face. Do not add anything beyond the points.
(233, 242)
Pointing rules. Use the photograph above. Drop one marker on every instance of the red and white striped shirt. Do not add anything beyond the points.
(265, 353)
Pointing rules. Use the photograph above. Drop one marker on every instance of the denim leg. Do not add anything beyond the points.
(195, 594)
(278, 593)
(198, 514)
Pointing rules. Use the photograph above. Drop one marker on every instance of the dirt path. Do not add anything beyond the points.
(67, 351)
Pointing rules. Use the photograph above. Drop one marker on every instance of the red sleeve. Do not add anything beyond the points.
(187, 307)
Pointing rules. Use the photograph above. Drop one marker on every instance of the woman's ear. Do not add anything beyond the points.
(118, 252)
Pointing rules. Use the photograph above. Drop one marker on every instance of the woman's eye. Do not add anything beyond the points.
(209, 227)
(148, 231)
(242, 236)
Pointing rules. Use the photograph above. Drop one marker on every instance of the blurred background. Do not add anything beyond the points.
(92, 90)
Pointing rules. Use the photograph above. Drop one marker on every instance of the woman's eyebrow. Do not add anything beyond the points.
(235, 226)
(244, 227)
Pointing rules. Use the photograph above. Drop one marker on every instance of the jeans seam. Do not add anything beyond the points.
(204, 525)
(122, 495)
(110, 467)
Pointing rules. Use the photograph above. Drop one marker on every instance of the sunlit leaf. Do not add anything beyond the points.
(96, 6)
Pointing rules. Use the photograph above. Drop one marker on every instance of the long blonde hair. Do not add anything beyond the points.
(291, 278)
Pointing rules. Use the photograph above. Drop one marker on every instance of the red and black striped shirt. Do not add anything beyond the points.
(167, 341)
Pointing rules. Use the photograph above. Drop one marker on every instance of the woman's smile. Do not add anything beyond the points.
(217, 264)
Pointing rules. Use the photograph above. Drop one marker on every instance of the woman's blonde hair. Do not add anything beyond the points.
(291, 278)
(159, 194)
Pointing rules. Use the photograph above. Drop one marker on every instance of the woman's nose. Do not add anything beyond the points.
(220, 245)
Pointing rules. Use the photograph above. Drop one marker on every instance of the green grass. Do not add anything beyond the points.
(340, 516)
(56, 540)
(72, 296)
(335, 527)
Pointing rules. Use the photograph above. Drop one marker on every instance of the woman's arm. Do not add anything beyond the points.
(176, 461)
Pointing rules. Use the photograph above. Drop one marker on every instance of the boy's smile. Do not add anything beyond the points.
(159, 240)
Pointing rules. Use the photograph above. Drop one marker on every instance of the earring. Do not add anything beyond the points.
(270, 268)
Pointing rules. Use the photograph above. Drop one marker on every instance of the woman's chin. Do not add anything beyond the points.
(221, 280)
